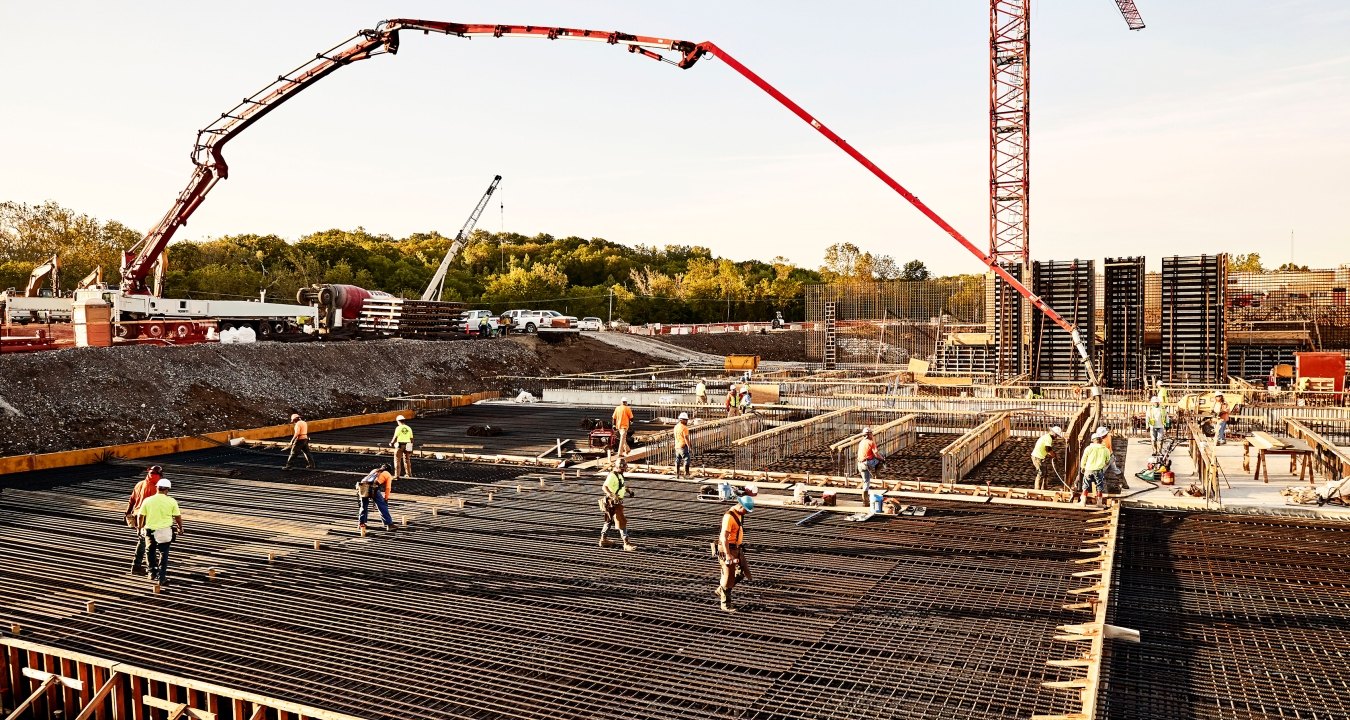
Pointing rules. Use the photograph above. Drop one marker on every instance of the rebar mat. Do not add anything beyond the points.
(508, 609)
(1240, 617)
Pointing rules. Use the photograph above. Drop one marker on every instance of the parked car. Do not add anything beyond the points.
(470, 320)
(559, 320)
(529, 321)
(590, 323)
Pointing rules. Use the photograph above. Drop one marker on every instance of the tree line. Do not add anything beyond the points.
(500, 271)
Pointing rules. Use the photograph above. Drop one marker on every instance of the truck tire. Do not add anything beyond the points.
(530, 328)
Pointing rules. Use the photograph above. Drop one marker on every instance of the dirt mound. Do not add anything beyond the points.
(785, 345)
(84, 397)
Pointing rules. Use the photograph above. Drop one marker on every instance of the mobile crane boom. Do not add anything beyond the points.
(437, 284)
(384, 39)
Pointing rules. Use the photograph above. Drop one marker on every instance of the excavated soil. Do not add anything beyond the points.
(785, 345)
(86, 397)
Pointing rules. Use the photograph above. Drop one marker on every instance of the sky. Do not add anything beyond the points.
(1221, 127)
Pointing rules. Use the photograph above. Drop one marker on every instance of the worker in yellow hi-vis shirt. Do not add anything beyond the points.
(1096, 457)
(159, 517)
(403, 444)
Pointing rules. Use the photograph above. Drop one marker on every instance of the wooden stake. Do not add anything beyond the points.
(271, 556)
(316, 544)
(211, 573)
(15, 628)
(89, 606)
(405, 520)
(437, 511)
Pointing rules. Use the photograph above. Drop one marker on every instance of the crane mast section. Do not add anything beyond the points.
(437, 284)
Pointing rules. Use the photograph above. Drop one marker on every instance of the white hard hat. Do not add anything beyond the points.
(684, 416)
(400, 418)
(1155, 399)
(1099, 434)
(295, 416)
(1056, 429)
(163, 483)
(624, 401)
(867, 431)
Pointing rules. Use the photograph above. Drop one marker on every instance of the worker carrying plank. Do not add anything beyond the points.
(623, 420)
(1096, 458)
(299, 442)
(162, 521)
(616, 491)
(143, 489)
(403, 445)
(1155, 419)
(1045, 450)
(375, 487)
(731, 550)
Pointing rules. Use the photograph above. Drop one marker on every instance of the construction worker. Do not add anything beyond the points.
(1162, 393)
(868, 460)
(403, 444)
(299, 442)
(1096, 457)
(623, 420)
(143, 489)
(701, 392)
(1221, 410)
(375, 487)
(684, 452)
(162, 521)
(732, 402)
(731, 549)
(746, 406)
(1045, 450)
(616, 491)
(1155, 419)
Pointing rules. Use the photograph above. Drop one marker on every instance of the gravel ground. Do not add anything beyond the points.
(86, 397)
(785, 345)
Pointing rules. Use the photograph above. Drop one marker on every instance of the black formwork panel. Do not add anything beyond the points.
(1070, 288)
(1009, 325)
(1123, 337)
(1193, 348)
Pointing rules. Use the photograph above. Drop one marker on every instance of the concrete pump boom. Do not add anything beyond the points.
(211, 167)
(437, 284)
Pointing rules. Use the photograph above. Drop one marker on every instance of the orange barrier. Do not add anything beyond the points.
(167, 446)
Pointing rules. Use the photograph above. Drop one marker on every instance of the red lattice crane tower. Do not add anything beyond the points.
(1010, 125)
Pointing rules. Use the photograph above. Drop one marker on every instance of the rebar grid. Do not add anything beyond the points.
(507, 609)
(1240, 617)
(891, 437)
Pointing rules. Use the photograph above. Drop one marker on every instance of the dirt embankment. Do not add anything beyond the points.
(786, 345)
(85, 397)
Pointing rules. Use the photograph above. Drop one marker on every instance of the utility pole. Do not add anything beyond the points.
(611, 307)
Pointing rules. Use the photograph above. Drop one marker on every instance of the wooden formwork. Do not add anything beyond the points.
(890, 437)
(969, 450)
(1206, 463)
(714, 434)
(168, 446)
(777, 443)
(1332, 461)
(48, 682)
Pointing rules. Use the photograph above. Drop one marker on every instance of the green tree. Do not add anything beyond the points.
(915, 270)
(1250, 262)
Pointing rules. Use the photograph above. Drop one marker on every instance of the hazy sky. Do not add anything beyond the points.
(1223, 126)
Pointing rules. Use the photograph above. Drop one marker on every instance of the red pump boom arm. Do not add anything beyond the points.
(211, 167)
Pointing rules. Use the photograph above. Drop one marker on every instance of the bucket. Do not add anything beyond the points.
(878, 501)
(724, 491)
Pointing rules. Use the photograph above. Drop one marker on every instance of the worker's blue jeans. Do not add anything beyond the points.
(159, 558)
(1095, 478)
(378, 497)
(1157, 433)
(865, 469)
(1221, 433)
(683, 455)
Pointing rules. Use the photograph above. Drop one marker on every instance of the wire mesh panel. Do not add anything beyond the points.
(893, 321)
(1008, 324)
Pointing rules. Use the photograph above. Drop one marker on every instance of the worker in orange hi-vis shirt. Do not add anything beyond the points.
(623, 420)
(684, 452)
(299, 442)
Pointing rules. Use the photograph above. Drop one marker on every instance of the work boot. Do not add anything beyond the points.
(725, 599)
(604, 542)
(140, 570)
(388, 528)
(630, 547)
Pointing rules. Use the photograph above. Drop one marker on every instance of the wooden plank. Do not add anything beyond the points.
(175, 709)
(95, 703)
